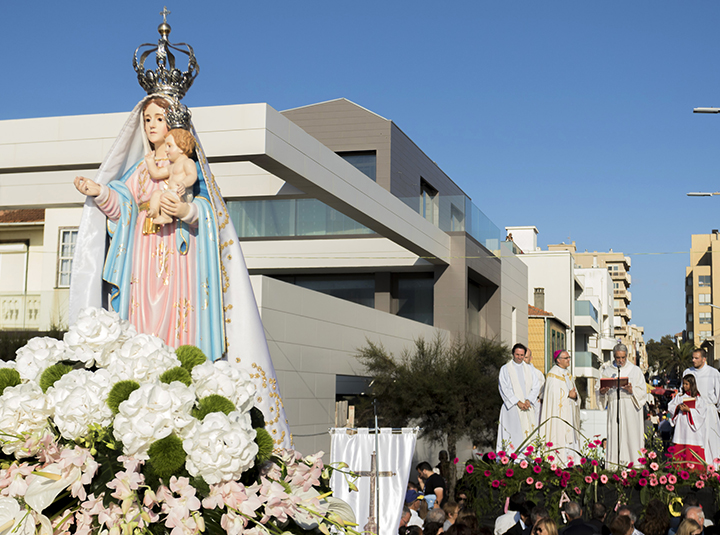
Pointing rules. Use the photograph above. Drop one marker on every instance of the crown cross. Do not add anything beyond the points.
(166, 79)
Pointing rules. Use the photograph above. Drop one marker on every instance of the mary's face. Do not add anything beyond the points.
(155, 125)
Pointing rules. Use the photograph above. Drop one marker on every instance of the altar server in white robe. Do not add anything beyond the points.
(688, 412)
(519, 389)
(541, 377)
(708, 384)
(561, 409)
(632, 399)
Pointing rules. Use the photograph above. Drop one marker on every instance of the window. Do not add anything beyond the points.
(704, 280)
(704, 298)
(429, 202)
(705, 317)
(704, 335)
(616, 285)
(66, 250)
(413, 296)
(689, 300)
(358, 288)
(618, 303)
(691, 335)
(689, 318)
(362, 160)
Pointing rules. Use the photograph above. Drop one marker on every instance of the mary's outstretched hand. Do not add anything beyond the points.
(87, 187)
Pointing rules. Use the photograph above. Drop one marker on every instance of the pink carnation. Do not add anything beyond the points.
(670, 487)
(577, 490)
(510, 472)
(642, 482)
(495, 484)
(699, 483)
(538, 485)
(654, 466)
(469, 469)
(529, 481)
(491, 455)
(523, 464)
(588, 480)
(663, 480)
(603, 479)
(672, 479)
(504, 460)
(652, 455)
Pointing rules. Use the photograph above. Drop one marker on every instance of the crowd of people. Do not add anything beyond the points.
(550, 405)
(523, 517)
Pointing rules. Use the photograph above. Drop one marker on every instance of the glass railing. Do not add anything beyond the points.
(457, 213)
(586, 308)
(585, 359)
(279, 218)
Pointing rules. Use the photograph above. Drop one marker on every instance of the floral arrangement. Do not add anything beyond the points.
(110, 431)
(538, 472)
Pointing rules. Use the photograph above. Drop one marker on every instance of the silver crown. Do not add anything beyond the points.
(166, 79)
(178, 116)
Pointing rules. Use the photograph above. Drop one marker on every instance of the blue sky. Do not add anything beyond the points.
(573, 116)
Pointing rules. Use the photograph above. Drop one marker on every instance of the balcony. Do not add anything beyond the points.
(586, 317)
(19, 311)
(620, 276)
(457, 213)
(624, 311)
(586, 359)
(621, 330)
(622, 293)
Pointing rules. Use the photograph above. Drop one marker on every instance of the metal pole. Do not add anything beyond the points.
(377, 469)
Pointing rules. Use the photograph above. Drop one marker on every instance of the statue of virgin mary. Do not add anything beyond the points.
(186, 281)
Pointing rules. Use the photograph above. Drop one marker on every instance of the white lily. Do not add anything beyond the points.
(48, 484)
(14, 519)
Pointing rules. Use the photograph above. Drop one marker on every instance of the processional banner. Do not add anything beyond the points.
(388, 468)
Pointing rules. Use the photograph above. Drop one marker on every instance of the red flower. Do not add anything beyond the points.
(616, 477)
(513, 456)
(671, 449)
(538, 460)
(469, 469)
(456, 460)
(632, 473)
(592, 446)
(645, 473)
(670, 487)
(495, 484)
(502, 453)
(642, 482)
(583, 460)
(551, 457)
(558, 472)
(571, 463)
(630, 465)
(594, 475)
(594, 462)
(509, 473)
(530, 449)
(549, 444)
(684, 475)
(492, 456)
(577, 490)
(642, 460)
(488, 473)
(537, 469)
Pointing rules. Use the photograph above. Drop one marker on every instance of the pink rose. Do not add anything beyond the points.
(538, 485)
(529, 481)
(588, 480)
(699, 483)
(653, 482)
(553, 467)
(504, 460)
(523, 464)
(603, 479)
(670, 487)
(577, 490)
(663, 480)
(672, 479)
(654, 466)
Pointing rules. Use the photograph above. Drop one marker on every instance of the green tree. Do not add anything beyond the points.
(449, 390)
(670, 357)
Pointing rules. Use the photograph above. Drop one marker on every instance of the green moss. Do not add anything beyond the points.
(8, 377)
(213, 403)
(257, 417)
(119, 393)
(265, 446)
(167, 456)
(52, 374)
(190, 356)
(176, 374)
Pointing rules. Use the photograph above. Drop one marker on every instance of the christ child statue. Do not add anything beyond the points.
(181, 174)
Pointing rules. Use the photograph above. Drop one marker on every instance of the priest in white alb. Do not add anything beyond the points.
(561, 409)
(628, 429)
(519, 388)
(708, 384)
(541, 377)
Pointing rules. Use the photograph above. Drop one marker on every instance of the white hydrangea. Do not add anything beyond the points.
(78, 400)
(152, 412)
(24, 411)
(95, 334)
(221, 447)
(225, 379)
(142, 358)
(37, 355)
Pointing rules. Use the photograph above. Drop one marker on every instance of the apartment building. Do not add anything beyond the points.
(702, 278)
(350, 231)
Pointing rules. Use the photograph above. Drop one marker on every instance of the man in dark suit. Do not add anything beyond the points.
(576, 525)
